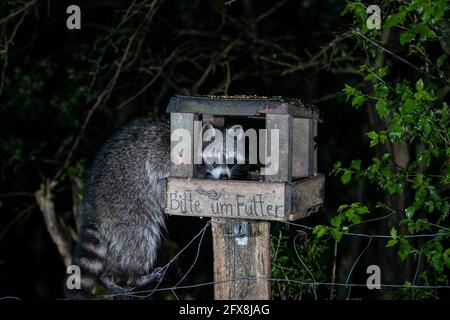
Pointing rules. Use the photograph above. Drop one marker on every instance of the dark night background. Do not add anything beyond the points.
(295, 48)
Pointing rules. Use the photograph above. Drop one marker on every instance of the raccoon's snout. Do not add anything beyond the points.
(221, 172)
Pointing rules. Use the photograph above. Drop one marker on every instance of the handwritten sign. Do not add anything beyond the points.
(226, 198)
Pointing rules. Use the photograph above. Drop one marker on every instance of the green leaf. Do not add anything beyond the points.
(394, 233)
(320, 231)
(446, 257)
(342, 207)
(382, 108)
(337, 220)
(440, 60)
(419, 85)
(395, 135)
(346, 177)
(373, 138)
(407, 36)
(383, 71)
(357, 101)
(424, 31)
(392, 20)
(381, 90)
(336, 168)
(409, 105)
(413, 227)
(420, 28)
(357, 8)
(391, 243)
(372, 135)
(350, 214)
(405, 249)
(356, 164)
(421, 195)
(410, 212)
(362, 210)
(430, 206)
(445, 208)
(337, 235)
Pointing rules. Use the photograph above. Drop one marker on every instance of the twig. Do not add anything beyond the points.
(16, 219)
(7, 44)
(151, 82)
(393, 54)
(19, 11)
(44, 199)
(229, 2)
(270, 11)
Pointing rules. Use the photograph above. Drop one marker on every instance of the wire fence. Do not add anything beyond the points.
(312, 284)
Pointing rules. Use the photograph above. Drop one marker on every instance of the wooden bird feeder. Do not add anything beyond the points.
(241, 210)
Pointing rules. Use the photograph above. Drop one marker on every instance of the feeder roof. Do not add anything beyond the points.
(241, 106)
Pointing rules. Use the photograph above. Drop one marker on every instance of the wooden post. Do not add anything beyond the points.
(241, 258)
(241, 262)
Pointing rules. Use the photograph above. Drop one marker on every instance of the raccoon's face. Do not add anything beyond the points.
(223, 152)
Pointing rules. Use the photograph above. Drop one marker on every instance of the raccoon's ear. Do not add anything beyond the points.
(237, 130)
(207, 126)
(208, 132)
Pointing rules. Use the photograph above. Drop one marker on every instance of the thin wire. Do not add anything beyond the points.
(423, 235)
(293, 281)
(417, 272)
(195, 259)
(176, 297)
(356, 261)
(304, 265)
(163, 269)
(314, 284)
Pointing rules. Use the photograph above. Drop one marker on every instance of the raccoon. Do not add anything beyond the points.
(122, 221)
(222, 159)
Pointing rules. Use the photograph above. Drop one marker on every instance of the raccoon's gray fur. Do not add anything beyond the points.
(122, 218)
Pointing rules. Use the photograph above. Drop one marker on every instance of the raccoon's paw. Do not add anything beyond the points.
(159, 274)
(156, 276)
(114, 288)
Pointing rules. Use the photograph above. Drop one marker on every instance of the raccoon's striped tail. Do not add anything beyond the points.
(89, 259)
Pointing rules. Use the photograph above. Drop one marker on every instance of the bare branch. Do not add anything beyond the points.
(44, 199)
(151, 82)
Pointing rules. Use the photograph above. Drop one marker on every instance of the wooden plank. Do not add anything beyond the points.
(257, 200)
(282, 123)
(314, 151)
(291, 107)
(303, 154)
(217, 121)
(184, 159)
(240, 106)
(308, 196)
(241, 270)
